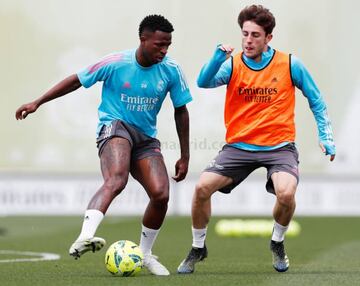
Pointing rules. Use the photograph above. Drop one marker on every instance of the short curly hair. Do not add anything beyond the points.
(155, 23)
(258, 14)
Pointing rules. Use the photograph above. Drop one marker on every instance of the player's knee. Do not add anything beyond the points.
(160, 195)
(285, 196)
(202, 192)
(116, 184)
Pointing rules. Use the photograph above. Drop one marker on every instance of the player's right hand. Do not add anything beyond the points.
(25, 109)
(328, 149)
(227, 49)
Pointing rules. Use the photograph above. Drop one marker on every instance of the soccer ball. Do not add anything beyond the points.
(124, 258)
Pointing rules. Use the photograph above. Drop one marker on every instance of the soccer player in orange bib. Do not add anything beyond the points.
(260, 129)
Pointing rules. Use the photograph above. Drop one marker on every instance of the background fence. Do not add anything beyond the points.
(40, 47)
(64, 195)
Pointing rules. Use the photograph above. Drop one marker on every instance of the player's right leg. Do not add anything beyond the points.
(201, 211)
(115, 166)
(285, 187)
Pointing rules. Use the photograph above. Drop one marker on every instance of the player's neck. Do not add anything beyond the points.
(141, 58)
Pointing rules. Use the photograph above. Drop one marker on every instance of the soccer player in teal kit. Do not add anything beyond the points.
(135, 83)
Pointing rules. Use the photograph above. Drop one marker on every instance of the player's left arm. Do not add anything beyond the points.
(303, 80)
(182, 128)
(180, 96)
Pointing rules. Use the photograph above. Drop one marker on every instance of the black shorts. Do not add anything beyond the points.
(238, 164)
(142, 146)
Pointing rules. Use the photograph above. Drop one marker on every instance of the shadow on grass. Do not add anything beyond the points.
(3, 231)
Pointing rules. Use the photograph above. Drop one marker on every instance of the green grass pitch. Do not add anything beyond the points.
(327, 252)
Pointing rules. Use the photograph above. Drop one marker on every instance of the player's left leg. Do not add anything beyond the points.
(285, 187)
(152, 175)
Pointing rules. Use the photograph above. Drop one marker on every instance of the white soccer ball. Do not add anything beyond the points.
(124, 258)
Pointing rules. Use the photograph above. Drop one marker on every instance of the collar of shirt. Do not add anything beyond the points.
(265, 59)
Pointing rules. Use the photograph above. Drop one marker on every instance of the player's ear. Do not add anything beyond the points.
(142, 38)
(268, 38)
(145, 35)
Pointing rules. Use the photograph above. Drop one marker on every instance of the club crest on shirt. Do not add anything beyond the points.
(160, 86)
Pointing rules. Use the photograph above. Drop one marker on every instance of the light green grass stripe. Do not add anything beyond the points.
(339, 265)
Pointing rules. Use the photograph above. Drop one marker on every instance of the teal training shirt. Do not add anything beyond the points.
(133, 93)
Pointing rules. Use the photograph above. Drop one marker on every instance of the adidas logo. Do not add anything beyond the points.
(144, 234)
(274, 79)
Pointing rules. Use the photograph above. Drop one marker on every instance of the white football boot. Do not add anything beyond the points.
(154, 266)
(80, 247)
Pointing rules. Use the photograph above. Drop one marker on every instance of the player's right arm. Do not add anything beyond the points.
(87, 77)
(218, 70)
(65, 86)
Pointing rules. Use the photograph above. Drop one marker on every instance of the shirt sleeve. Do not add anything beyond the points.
(303, 80)
(179, 89)
(99, 71)
(216, 72)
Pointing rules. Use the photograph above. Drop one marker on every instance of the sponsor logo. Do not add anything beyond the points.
(257, 94)
(257, 90)
(258, 98)
(139, 103)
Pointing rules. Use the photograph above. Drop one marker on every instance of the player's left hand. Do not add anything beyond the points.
(328, 150)
(181, 169)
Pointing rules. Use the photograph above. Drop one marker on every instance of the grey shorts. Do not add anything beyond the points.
(142, 146)
(238, 164)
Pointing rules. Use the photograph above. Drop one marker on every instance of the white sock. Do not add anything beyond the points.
(199, 236)
(92, 220)
(147, 239)
(279, 232)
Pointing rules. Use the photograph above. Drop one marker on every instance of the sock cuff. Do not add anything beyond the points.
(279, 232)
(282, 227)
(94, 212)
(198, 229)
(149, 230)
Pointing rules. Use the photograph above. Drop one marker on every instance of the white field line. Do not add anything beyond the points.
(40, 256)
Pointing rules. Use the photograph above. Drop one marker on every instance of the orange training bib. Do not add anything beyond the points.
(259, 106)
